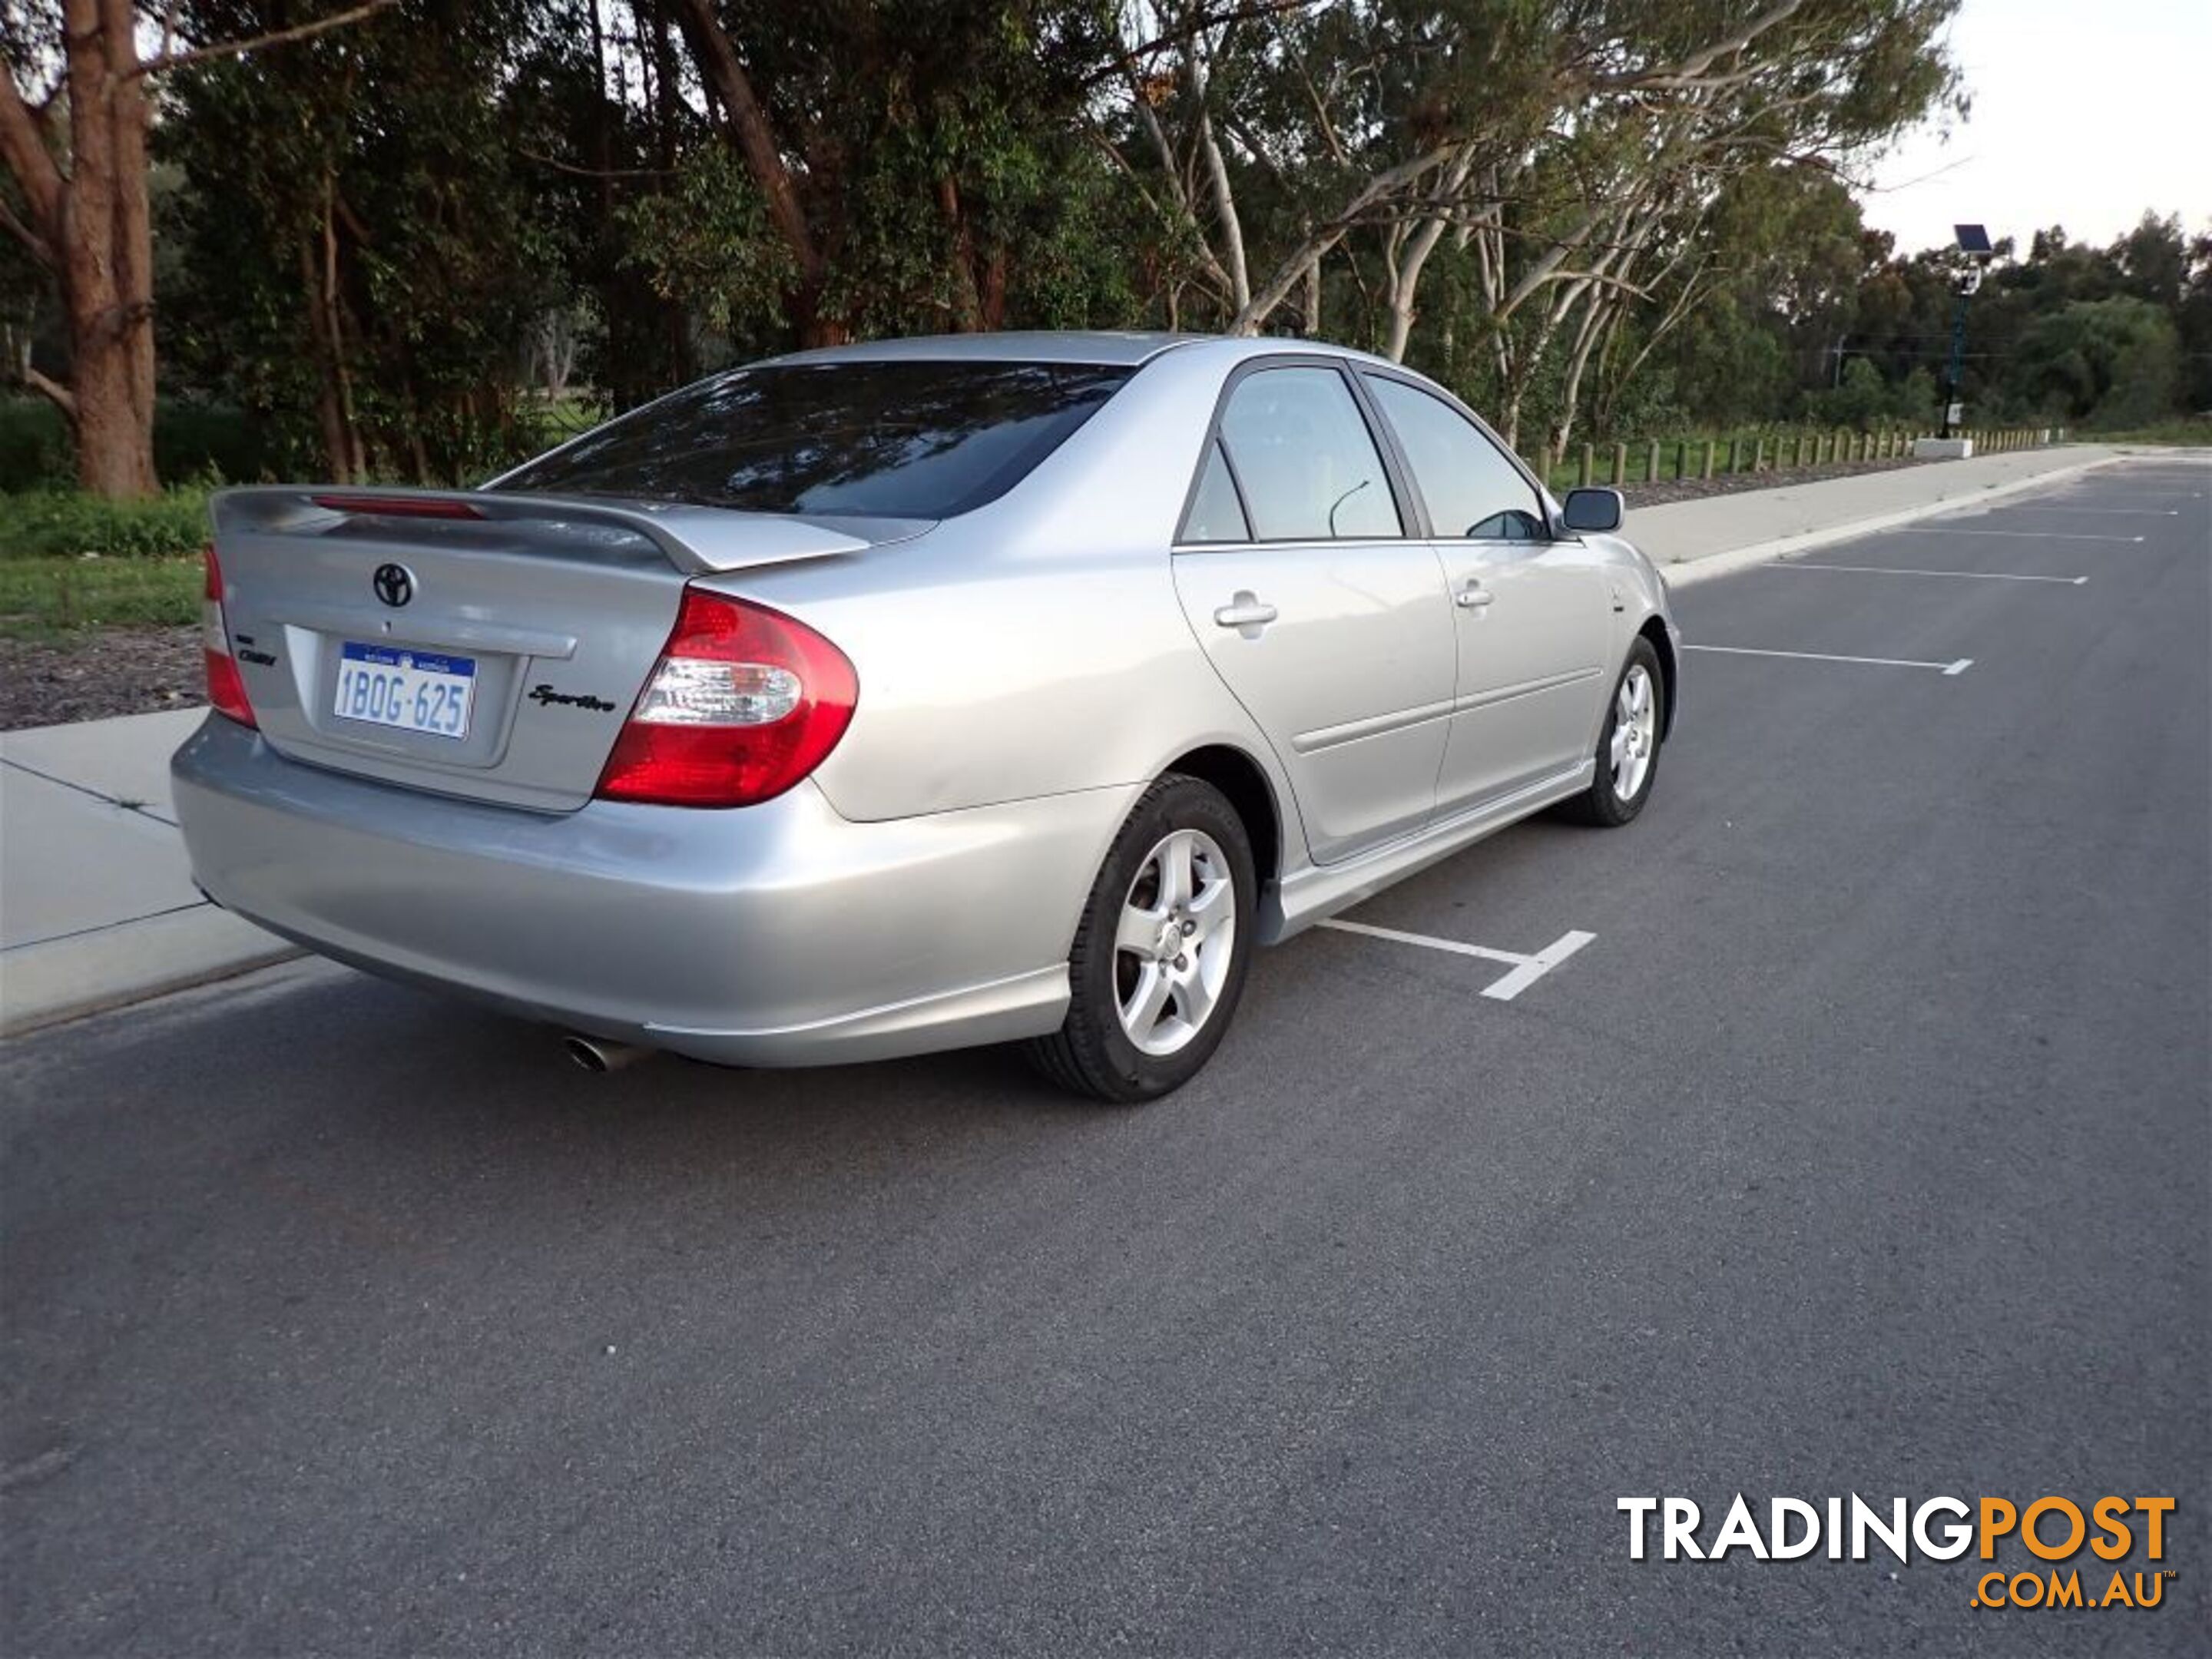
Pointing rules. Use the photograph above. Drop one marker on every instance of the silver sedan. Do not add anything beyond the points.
(910, 696)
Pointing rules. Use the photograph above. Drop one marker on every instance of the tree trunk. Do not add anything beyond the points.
(746, 125)
(1405, 268)
(1322, 240)
(967, 281)
(1217, 179)
(134, 220)
(91, 229)
(1597, 322)
(994, 290)
(343, 447)
(817, 330)
(106, 259)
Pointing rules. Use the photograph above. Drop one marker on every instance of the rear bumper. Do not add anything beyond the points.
(779, 935)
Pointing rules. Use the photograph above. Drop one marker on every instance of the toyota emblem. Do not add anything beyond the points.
(394, 584)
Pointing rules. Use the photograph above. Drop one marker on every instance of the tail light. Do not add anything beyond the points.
(226, 690)
(744, 703)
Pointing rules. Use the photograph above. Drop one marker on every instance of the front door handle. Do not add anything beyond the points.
(1474, 596)
(1247, 613)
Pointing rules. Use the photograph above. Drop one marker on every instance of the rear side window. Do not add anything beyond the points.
(906, 439)
(1308, 464)
(1471, 489)
(1216, 514)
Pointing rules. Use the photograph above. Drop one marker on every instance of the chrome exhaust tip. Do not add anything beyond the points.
(598, 1055)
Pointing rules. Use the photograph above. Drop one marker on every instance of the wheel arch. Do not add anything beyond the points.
(1655, 629)
(1250, 790)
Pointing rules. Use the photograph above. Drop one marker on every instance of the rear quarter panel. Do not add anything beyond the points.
(1034, 647)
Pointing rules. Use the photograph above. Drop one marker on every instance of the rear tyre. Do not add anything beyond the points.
(1628, 747)
(1160, 954)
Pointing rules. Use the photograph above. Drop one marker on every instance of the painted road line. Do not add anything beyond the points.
(1968, 575)
(2101, 512)
(2033, 535)
(1526, 969)
(1953, 669)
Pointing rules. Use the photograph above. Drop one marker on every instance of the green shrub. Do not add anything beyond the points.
(34, 448)
(2193, 430)
(191, 440)
(64, 524)
(199, 441)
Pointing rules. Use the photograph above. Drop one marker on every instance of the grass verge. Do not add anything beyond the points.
(70, 562)
(44, 598)
(2190, 431)
(65, 524)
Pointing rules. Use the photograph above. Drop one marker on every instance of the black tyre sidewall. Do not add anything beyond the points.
(1094, 1023)
(1607, 805)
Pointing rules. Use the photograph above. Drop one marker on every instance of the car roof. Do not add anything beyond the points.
(1106, 346)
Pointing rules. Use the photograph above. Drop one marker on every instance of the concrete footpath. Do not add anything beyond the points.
(1694, 541)
(97, 906)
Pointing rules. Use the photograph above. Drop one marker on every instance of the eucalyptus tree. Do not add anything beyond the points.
(1268, 135)
(603, 112)
(1679, 121)
(1564, 157)
(75, 112)
(363, 258)
(914, 164)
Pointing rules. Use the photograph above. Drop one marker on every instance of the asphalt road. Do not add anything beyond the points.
(1866, 1149)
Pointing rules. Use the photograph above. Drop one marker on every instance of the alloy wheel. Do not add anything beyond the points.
(1635, 731)
(1174, 941)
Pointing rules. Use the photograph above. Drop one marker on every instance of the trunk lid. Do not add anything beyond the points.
(482, 645)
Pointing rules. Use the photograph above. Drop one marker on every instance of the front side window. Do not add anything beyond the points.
(904, 439)
(1471, 491)
(1511, 526)
(1309, 465)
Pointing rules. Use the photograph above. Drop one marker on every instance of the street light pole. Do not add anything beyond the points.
(1973, 242)
(1957, 368)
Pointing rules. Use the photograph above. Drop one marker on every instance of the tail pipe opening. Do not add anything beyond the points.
(599, 1056)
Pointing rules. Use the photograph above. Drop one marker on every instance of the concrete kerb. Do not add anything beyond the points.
(97, 906)
(65, 979)
(1683, 573)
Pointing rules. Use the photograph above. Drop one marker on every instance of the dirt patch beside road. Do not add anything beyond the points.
(99, 673)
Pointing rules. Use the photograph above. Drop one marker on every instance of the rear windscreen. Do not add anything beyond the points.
(906, 439)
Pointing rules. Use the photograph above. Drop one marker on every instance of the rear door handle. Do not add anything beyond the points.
(1247, 613)
(1474, 596)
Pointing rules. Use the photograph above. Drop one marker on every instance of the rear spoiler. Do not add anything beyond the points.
(699, 541)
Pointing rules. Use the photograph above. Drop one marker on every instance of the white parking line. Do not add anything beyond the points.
(1950, 668)
(1526, 969)
(2101, 512)
(1888, 570)
(2033, 535)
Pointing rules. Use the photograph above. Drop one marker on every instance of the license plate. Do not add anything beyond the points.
(426, 691)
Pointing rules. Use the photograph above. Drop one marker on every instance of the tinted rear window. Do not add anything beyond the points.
(910, 440)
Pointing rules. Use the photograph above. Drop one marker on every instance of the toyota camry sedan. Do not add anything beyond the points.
(898, 697)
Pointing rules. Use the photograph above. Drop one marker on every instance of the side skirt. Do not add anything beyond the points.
(1320, 890)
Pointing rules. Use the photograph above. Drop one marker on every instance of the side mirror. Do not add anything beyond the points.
(1592, 509)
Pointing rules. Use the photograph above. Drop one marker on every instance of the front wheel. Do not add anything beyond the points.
(1628, 747)
(1159, 957)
